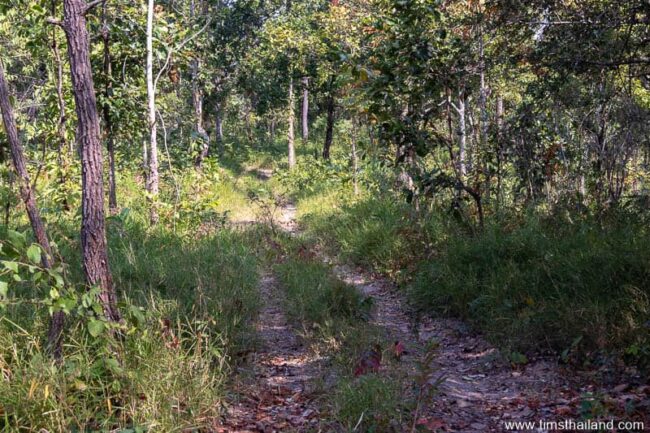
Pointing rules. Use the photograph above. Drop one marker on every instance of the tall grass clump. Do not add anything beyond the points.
(381, 233)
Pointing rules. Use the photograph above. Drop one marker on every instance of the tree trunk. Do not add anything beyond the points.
(290, 134)
(62, 159)
(462, 137)
(305, 109)
(197, 98)
(27, 194)
(500, 156)
(219, 130)
(93, 230)
(108, 121)
(355, 159)
(152, 177)
(329, 131)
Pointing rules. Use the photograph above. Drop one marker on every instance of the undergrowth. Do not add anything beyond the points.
(188, 294)
(570, 284)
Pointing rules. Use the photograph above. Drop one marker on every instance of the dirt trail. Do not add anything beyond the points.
(273, 394)
(480, 393)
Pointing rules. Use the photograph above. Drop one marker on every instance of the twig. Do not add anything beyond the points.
(171, 51)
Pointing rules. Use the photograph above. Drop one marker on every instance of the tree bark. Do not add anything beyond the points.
(27, 194)
(305, 109)
(290, 134)
(93, 229)
(152, 176)
(108, 121)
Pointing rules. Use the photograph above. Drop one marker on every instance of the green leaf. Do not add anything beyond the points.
(96, 327)
(34, 253)
(4, 289)
(17, 239)
(12, 266)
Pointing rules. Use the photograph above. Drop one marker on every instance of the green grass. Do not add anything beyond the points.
(545, 284)
(189, 292)
(574, 286)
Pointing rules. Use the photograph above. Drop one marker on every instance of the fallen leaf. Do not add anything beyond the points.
(431, 424)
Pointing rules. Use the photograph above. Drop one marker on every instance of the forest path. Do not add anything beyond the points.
(480, 391)
(272, 392)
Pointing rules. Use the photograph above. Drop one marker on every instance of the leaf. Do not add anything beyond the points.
(17, 239)
(4, 289)
(34, 253)
(96, 327)
(12, 266)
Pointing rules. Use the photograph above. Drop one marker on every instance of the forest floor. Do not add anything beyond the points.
(476, 388)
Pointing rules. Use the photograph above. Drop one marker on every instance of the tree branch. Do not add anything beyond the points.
(54, 21)
(90, 5)
(170, 51)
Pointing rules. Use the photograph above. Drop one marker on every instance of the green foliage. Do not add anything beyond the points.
(154, 378)
(375, 232)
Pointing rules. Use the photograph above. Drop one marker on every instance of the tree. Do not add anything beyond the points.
(27, 194)
(152, 154)
(305, 109)
(93, 226)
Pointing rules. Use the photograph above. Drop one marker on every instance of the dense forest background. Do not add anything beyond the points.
(490, 158)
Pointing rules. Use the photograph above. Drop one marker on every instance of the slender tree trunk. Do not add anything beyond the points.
(219, 130)
(93, 230)
(305, 109)
(62, 159)
(197, 98)
(329, 130)
(483, 120)
(499, 152)
(290, 134)
(355, 159)
(27, 194)
(108, 121)
(248, 124)
(152, 177)
(462, 137)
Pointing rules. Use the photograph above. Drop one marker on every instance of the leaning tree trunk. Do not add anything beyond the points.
(27, 194)
(305, 109)
(108, 121)
(290, 134)
(93, 224)
(152, 176)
